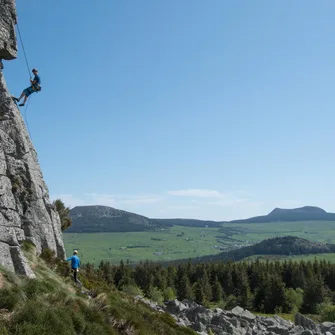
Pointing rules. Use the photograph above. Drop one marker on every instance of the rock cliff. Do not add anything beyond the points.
(237, 321)
(8, 45)
(26, 213)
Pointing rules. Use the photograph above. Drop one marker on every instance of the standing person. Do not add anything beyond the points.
(75, 265)
(35, 87)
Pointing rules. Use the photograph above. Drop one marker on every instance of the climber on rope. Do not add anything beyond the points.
(35, 87)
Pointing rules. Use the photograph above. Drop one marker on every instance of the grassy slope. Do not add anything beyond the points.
(51, 305)
(97, 247)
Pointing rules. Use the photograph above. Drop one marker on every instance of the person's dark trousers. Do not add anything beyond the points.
(76, 280)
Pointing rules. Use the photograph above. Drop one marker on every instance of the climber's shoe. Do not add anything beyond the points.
(21, 105)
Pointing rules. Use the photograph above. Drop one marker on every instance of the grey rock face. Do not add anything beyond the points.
(26, 213)
(237, 321)
(8, 45)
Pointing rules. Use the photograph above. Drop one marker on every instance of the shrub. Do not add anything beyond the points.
(155, 294)
(30, 329)
(328, 313)
(132, 290)
(169, 294)
(43, 319)
(9, 297)
(3, 331)
(34, 287)
(96, 328)
(294, 299)
(27, 245)
(48, 255)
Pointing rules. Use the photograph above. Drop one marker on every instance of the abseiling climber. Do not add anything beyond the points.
(35, 87)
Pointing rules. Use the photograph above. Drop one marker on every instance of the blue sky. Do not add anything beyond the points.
(206, 109)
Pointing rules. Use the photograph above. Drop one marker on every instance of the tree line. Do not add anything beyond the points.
(267, 287)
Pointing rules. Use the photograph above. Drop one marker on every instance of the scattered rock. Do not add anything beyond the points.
(238, 321)
(301, 320)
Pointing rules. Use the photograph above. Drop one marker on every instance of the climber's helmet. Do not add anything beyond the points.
(34, 71)
(75, 251)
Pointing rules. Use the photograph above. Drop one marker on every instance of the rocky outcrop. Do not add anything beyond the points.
(8, 45)
(237, 321)
(26, 213)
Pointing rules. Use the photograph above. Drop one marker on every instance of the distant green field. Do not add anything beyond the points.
(195, 242)
(139, 246)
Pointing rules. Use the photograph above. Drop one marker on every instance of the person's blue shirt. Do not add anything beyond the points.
(38, 79)
(75, 261)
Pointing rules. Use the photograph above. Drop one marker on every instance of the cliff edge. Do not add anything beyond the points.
(26, 213)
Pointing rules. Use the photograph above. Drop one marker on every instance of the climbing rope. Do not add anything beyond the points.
(24, 52)
(25, 118)
(28, 68)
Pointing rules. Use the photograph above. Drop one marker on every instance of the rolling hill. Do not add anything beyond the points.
(93, 219)
(307, 213)
(286, 245)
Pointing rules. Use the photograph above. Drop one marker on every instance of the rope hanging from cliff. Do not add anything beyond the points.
(25, 118)
(24, 52)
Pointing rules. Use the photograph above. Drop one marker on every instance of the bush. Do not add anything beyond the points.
(27, 245)
(169, 294)
(43, 319)
(48, 255)
(3, 331)
(35, 287)
(155, 294)
(9, 297)
(30, 329)
(132, 290)
(96, 328)
(328, 313)
(294, 299)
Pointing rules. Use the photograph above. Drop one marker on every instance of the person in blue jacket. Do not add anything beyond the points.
(75, 265)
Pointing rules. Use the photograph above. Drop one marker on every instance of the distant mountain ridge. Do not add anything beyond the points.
(306, 213)
(96, 218)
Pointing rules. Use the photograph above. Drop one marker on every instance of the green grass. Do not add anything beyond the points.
(51, 304)
(94, 247)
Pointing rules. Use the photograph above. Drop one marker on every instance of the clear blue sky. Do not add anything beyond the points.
(207, 109)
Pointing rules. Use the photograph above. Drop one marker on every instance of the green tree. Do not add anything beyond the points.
(64, 214)
(314, 294)
(242, 291)
(277, 299)
(217, 290)
(184, 290)
(294, 298)
(199, 294)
